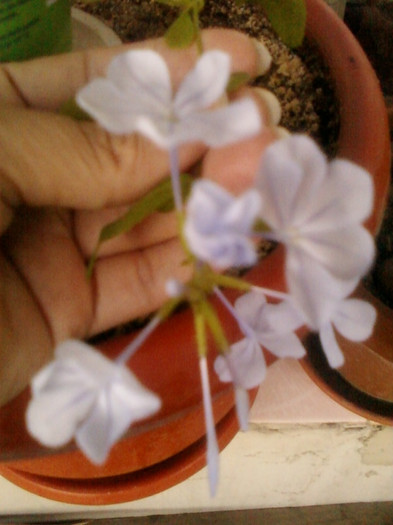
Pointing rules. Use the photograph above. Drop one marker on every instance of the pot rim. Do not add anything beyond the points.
(364, 138)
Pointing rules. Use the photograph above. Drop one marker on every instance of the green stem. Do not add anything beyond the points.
(235, 283)
(200, 330)
(168, 308)
(214, 325)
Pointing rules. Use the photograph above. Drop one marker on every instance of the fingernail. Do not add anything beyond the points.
(281, 132)
(264, 57)
(272, 105)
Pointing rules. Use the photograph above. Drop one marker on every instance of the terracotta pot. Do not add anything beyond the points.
(364, 383)
(169, 447)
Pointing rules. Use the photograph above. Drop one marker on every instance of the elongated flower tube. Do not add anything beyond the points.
(218, 226)
(316, 209)
(84, 395)
(137, 96)
(212, 445)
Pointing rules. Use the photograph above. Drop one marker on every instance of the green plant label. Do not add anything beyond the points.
(30, 28)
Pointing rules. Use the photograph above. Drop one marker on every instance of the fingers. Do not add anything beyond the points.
(156, 229)
(55, 161)
(47, 159)
(135, 283)
(46, 83)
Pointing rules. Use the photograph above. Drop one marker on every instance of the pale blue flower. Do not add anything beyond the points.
(218, 226)
(316, 209)
(84, 395)
(264, 325)
(137, 96)
(272, 325)
(353, 318)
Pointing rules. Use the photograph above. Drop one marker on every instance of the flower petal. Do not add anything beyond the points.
(330, 347)
(283, 345)
(242, 407)
(218, 226)
(137, 91)
(355, 319)
(204, 85)
(249, 307)
(54, 413)
(281, 318)
(290, 174)
(345, 198)
(109, 107)
(84, 394)
(63, 393)
(346, 253)
(237, 121)
(243, 211)
(354, 184)
(206, 203)
(244, 364)
(124, 401)
(313, 289)
(142, 74)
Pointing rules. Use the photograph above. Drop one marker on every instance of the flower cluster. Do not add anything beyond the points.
(313, 207)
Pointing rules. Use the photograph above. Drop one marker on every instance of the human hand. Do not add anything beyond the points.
(56, 175)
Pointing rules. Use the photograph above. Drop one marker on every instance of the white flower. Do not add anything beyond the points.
(263, 324)
(353, 318)
(243, 365)
(272, 325)
(316, 209)
(137, 96)
(218, 226)
(83, 394)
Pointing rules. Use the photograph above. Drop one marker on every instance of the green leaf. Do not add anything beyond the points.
(181, 33)
(71, 109)
(237, 80)
(261, 226)
(235, 283)
(174, 3)
(288, 19)
(159, 199)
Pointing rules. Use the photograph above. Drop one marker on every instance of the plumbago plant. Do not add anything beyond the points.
(287, 18)
(313, 207)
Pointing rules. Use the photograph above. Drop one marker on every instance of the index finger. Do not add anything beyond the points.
(46, 83)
